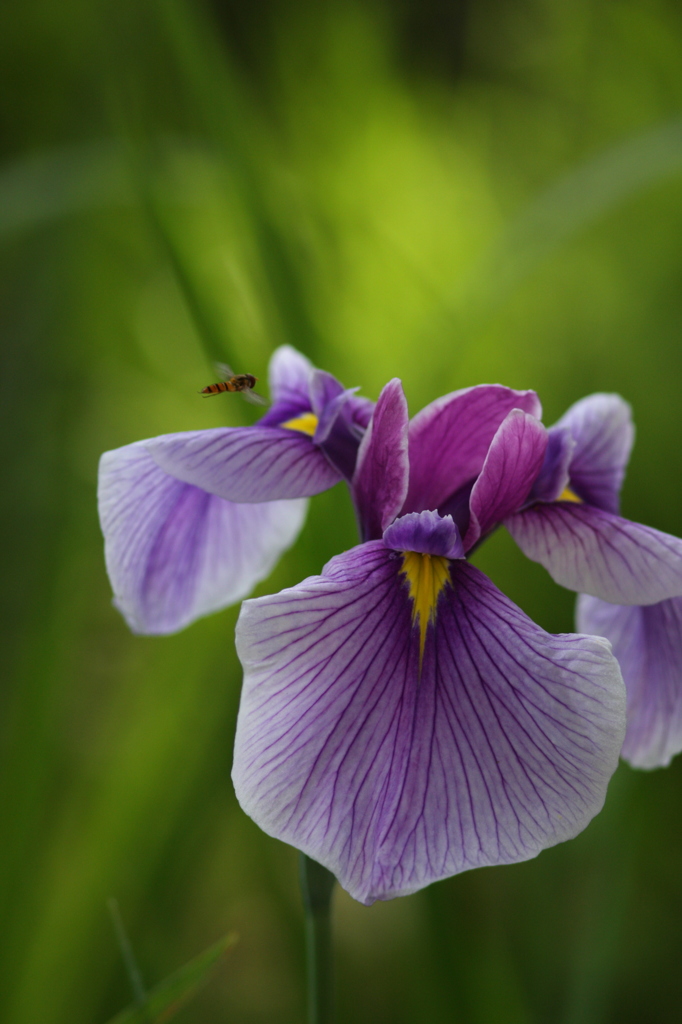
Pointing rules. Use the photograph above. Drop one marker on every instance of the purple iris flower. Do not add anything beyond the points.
(571, 523)
(401, 720)
(192, 521)
(630, 575)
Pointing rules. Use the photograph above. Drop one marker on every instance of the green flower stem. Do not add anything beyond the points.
(317, 885)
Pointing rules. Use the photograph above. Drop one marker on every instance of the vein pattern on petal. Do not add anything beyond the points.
(393, 777)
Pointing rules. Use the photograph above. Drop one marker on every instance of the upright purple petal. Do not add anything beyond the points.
(513, 462)
(337, 433)
(330, 413)
(648, 645)
(597, 553)
(393, 777)
(325, 389)
(295, 390)
(382, 471)
(601, 426)
(360, 410)
(289, 377)
(245, 464)
(175, 552)
(450, 438)
(554, 477)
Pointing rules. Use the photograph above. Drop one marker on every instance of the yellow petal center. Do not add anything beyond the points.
(307, 423)
(568, 495)
(426, 576)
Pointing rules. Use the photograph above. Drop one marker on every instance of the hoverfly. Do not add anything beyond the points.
(230, 381)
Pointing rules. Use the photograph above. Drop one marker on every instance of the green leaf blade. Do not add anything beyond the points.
(169, 996)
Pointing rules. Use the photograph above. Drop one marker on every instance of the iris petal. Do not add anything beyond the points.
(601, 427)
(553, 478)
(289, 376)
(648, 645)
(450, 438)
(501, 746)
(382, 471)
(597, 553)
(175, 552)
(245, 464)
(512, 464)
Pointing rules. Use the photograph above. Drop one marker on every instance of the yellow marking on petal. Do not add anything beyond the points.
(568, 495)
(307, 423)
(426, 576)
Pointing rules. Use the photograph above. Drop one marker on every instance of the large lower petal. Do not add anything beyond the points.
(382, 471)
(394, 775)
(450, 438)
(175, 552)
(597, 553)
(245, 464)
(601, 427)
(513, 462)
(647, 641)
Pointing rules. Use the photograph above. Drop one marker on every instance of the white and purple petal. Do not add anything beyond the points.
(382, 470)
(393, 776)
(450, 438)
(245, 464)
(594, 552)
(175, 552)
(289, 377)
(647, 641)
(514, 459)
(602, 429)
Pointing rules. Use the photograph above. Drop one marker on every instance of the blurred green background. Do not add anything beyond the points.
(449, 191)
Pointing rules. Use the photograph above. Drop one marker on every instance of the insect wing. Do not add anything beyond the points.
(224, 371)
(253, 397)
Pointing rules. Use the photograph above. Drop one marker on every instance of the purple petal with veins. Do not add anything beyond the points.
(245, 464)
(382, 471)
(601, 426)
(648, 645)
(597, 553)
(175, 552)
(513, 462)
(450, 438)
(393, 777)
